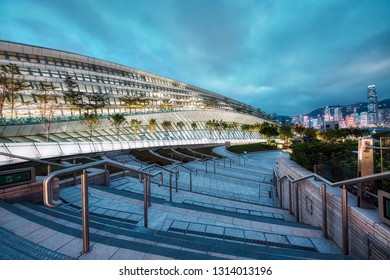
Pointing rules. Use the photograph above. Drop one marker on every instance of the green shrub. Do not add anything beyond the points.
(312, 153)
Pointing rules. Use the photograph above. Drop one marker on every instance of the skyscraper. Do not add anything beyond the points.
(338, 116)
(327, 114)
(372, 105)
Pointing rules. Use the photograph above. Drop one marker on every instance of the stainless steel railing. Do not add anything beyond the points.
(203, 156)
(189, 169)
(48, 197)
(324, 183)
(155, 165)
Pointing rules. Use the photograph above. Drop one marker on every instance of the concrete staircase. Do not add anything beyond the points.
(229, 215)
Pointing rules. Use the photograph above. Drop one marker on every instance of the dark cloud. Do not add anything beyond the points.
(287, 57)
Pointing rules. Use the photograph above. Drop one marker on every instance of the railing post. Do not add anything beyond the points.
(205, 162)
(74, 173)
(106, 178)
(281, 194)
(48, 169)
(190, 181)
(177, 177)
(297, 201)
(324, 211)
(85, 211)
(149, 193)
(275, 181)
(214, 167)
(146, 201)
(344, 205)
(170, 186)
(290, 196)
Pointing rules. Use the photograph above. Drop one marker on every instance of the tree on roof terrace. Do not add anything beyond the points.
(47, 104)
(72, 95)
(91, 121)
(131, 102)
(97, 100)
(209, 126)
(231, 127)
(117, 121)
(165, 104)
(180, 125)
(194, 126)
(135, 125)
(152, 125)
(167, 126)
(11, 83)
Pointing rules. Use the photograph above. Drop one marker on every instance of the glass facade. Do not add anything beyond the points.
(372, 105)
(113, 82)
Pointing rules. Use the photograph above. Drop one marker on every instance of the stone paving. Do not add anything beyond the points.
(229, 215)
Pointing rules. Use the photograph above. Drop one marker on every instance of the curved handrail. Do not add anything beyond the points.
(190, 169)
(177, 165)
(224, 161)
(157, 166)
(239, 158)
(206, 160)
(204, 155)
(171, 172)
(47, 182)
(348, 182)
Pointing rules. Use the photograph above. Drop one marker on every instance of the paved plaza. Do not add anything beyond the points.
(230, 214)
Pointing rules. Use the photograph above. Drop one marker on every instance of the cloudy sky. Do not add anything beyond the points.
(283, 56)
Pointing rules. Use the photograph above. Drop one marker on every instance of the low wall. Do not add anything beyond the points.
(33, 192)
(369, 237)
(27, 192)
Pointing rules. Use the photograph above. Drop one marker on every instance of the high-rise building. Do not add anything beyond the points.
(338, 115)
(327, 114)
(372, 105)
(363, 119)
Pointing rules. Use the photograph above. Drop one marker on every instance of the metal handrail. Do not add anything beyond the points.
(155, 165)
(204, 162)
(47, 188)
(50, 202)
(324, 183)
(378, 148)
(239, 159)
(185, 167)
(204, 155)
(230, 160)
(190, 169)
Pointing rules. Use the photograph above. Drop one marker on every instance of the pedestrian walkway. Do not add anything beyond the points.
(231, 214)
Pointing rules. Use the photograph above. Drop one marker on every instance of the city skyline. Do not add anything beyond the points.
(362, 99)
(347, 116)
(257, 52)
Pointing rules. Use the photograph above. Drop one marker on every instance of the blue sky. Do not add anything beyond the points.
(282, 56)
